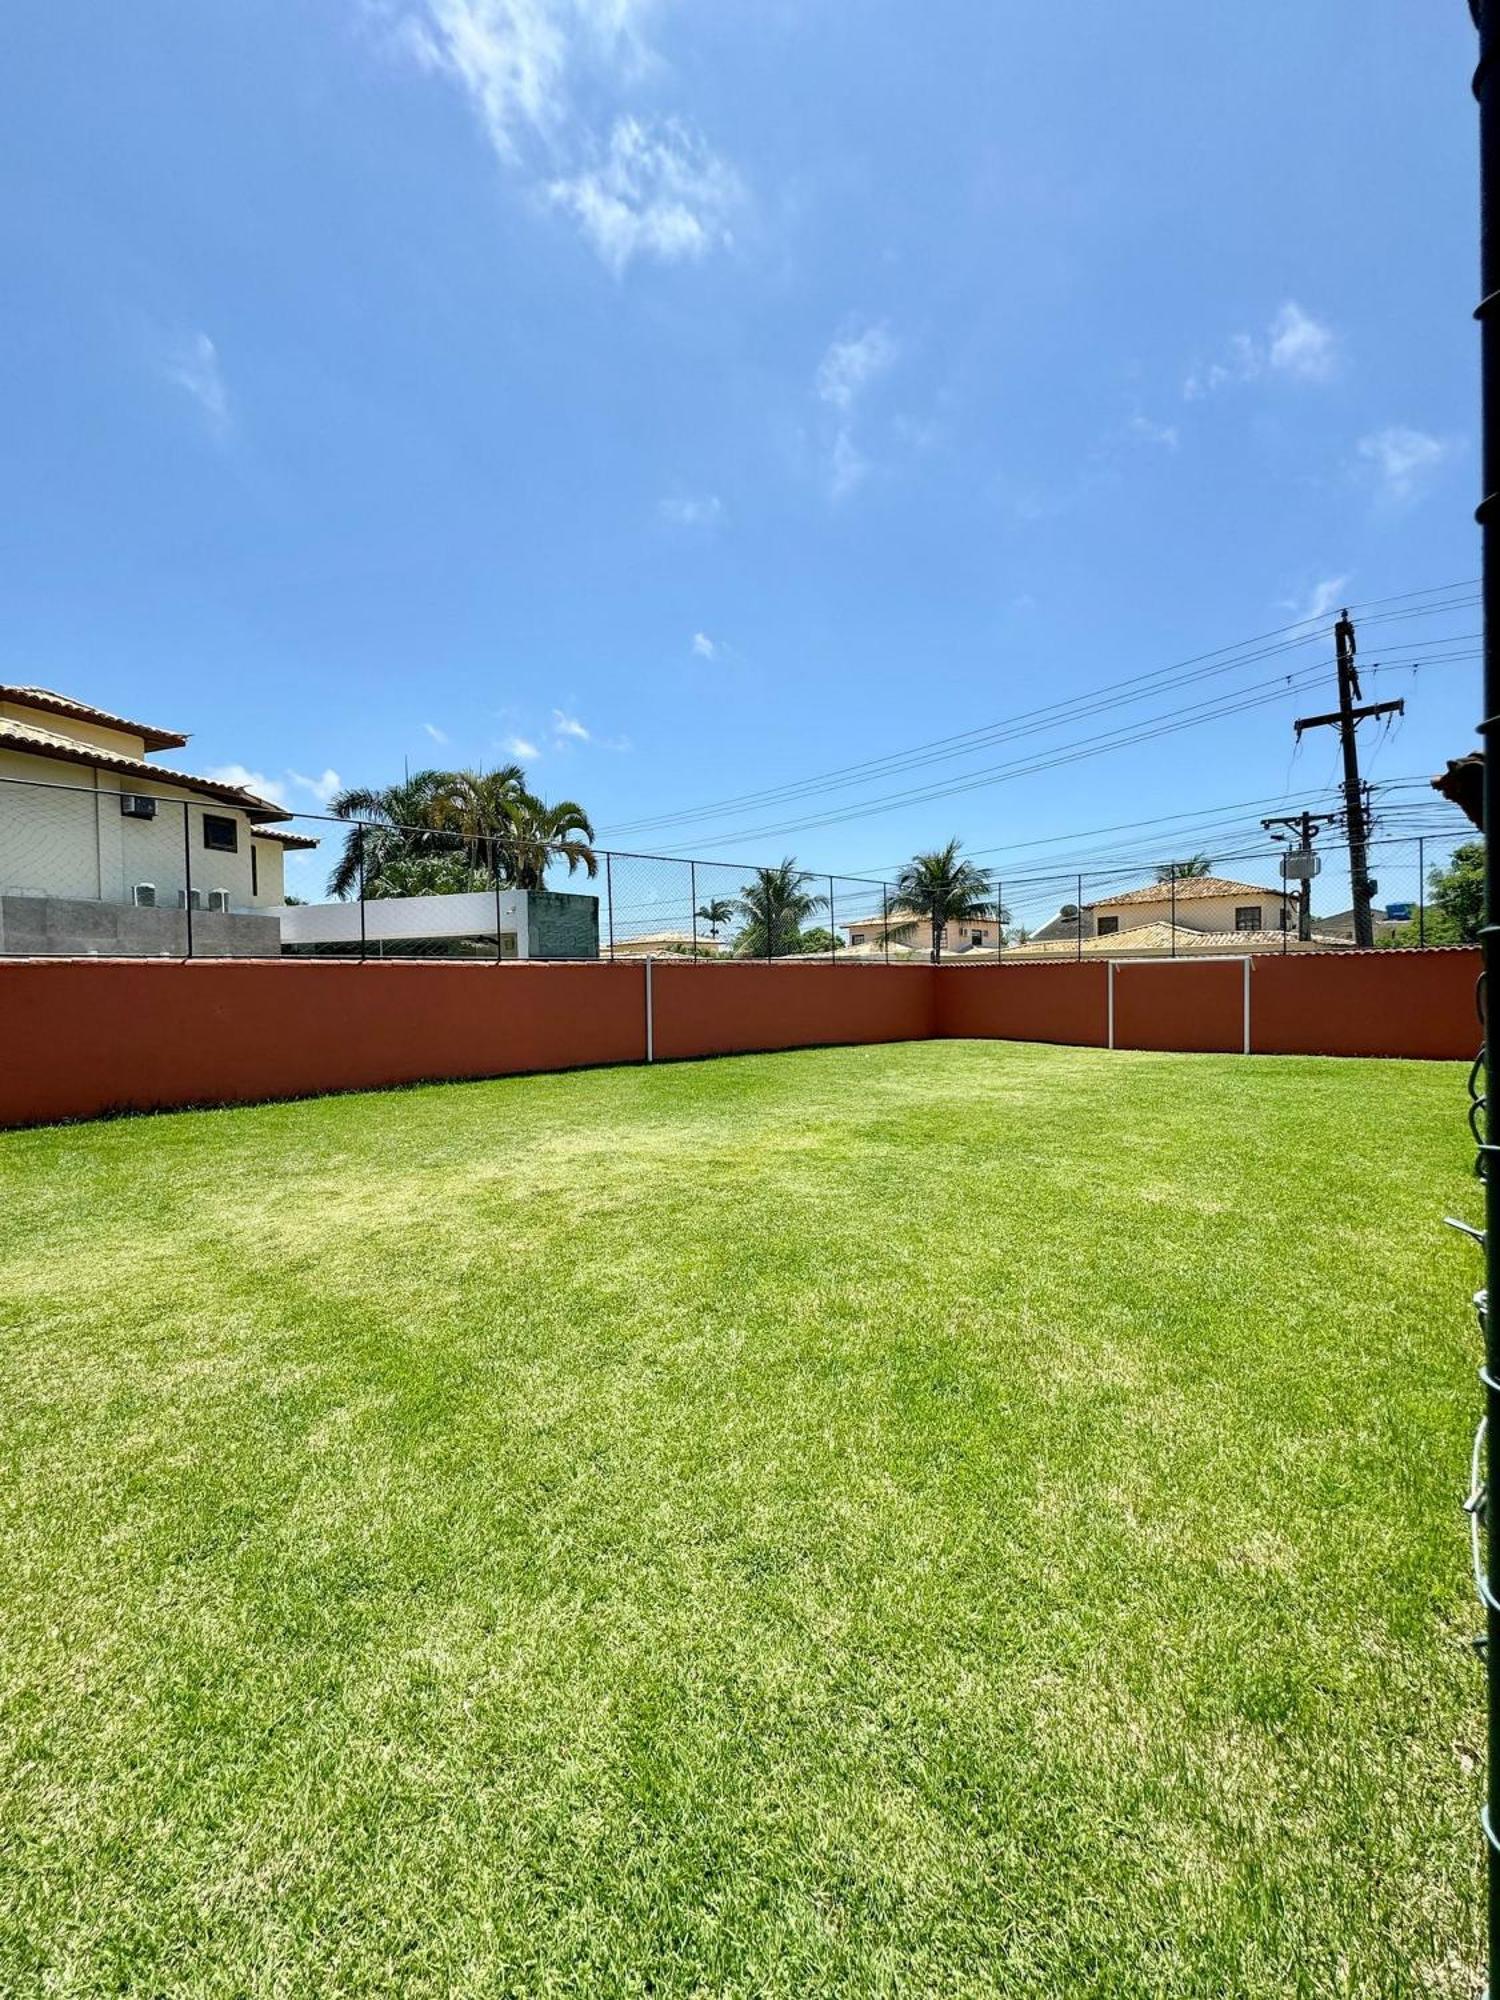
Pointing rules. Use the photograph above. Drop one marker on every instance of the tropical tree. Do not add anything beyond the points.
(717, 912)
(945, 889)
(478, 807)
(1181, 871)
(540, 834)
(395, 823)
(818, 942)
(773, 907)
(1455, 902)
(451, 874)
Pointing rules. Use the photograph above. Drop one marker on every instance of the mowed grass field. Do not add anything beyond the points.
(953, 1519)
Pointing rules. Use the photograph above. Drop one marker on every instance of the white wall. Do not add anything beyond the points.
(399, 918)
(63, 834)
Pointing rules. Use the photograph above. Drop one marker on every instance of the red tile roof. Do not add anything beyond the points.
(51, 703)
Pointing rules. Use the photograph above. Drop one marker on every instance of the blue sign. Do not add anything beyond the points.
(1399, 913)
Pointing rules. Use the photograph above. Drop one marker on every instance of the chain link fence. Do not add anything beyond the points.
(91, 869)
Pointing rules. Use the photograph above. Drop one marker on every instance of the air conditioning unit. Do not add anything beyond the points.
(137, 805)
(189, 899)
(143, 895)
(218, 899)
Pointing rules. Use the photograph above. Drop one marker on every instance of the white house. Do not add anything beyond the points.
(103, 851)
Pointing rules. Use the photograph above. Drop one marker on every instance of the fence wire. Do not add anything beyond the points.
(94, 869)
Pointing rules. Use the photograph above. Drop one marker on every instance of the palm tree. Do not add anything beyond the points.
(717, 912)
(396, 823)
(774, 906)
(540, 834)
(945, 889)
(1182, 871)
(479, 807)
(449, 874)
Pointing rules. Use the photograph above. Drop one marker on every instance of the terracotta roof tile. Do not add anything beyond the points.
(38, 742)
(52, 703)
(1187, 889)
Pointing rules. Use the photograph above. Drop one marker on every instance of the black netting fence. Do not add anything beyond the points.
(94, 868)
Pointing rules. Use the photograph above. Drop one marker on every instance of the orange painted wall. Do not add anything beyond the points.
(1193, 1007)
(83, 1036)
(79, 1037)
(715, 1010)
(1367, 1003)
(1067, 1002)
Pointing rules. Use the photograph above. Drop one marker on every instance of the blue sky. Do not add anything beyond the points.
(694, 399)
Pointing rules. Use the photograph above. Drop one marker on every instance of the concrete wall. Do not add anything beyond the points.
(83, 1037)
(59, 927)
(563, 925)
(1347, 1003)
(714, 1009)
(1067, 1002)
(79, 1037)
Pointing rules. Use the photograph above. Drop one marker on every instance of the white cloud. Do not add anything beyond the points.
(848, 368)
(1294, 344)
(249, 781)
(657, 192)
(848, 467)
(1325, 595)
(518, 747)
(193, 365)
(704, 648)
(851, 365)
(569, 726)
(1142, 430)
(322, 789)
(1403, 458)
(685, 512)
(647, 188)
(437, 735)
(1300, 345)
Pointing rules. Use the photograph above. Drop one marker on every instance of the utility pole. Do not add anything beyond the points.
(1344, 719)
(1306, 825)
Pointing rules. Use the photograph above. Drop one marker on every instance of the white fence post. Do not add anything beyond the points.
(1111, 964)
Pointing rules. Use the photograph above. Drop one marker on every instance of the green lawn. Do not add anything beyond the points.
(949, 1520)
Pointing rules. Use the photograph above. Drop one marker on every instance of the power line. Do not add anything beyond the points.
(1224, 659)
(1171, 722)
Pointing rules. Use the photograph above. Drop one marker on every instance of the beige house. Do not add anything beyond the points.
(104, 851)
(669, 944)
(1213, 915)
(906, 927)
(1196, 903)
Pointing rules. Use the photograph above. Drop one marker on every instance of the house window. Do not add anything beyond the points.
(1108, 926)
(1247, 917)
(221, 833)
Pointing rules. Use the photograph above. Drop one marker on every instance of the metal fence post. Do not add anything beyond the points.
(1078, 923)
(362, 938)
(1172, 878)
(693, 899)
(187, 872)
(833, 943)
(1281, 864)
(609, 899)
(885, 921)
(1421, 892)
(495, 871)
(999, 921)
